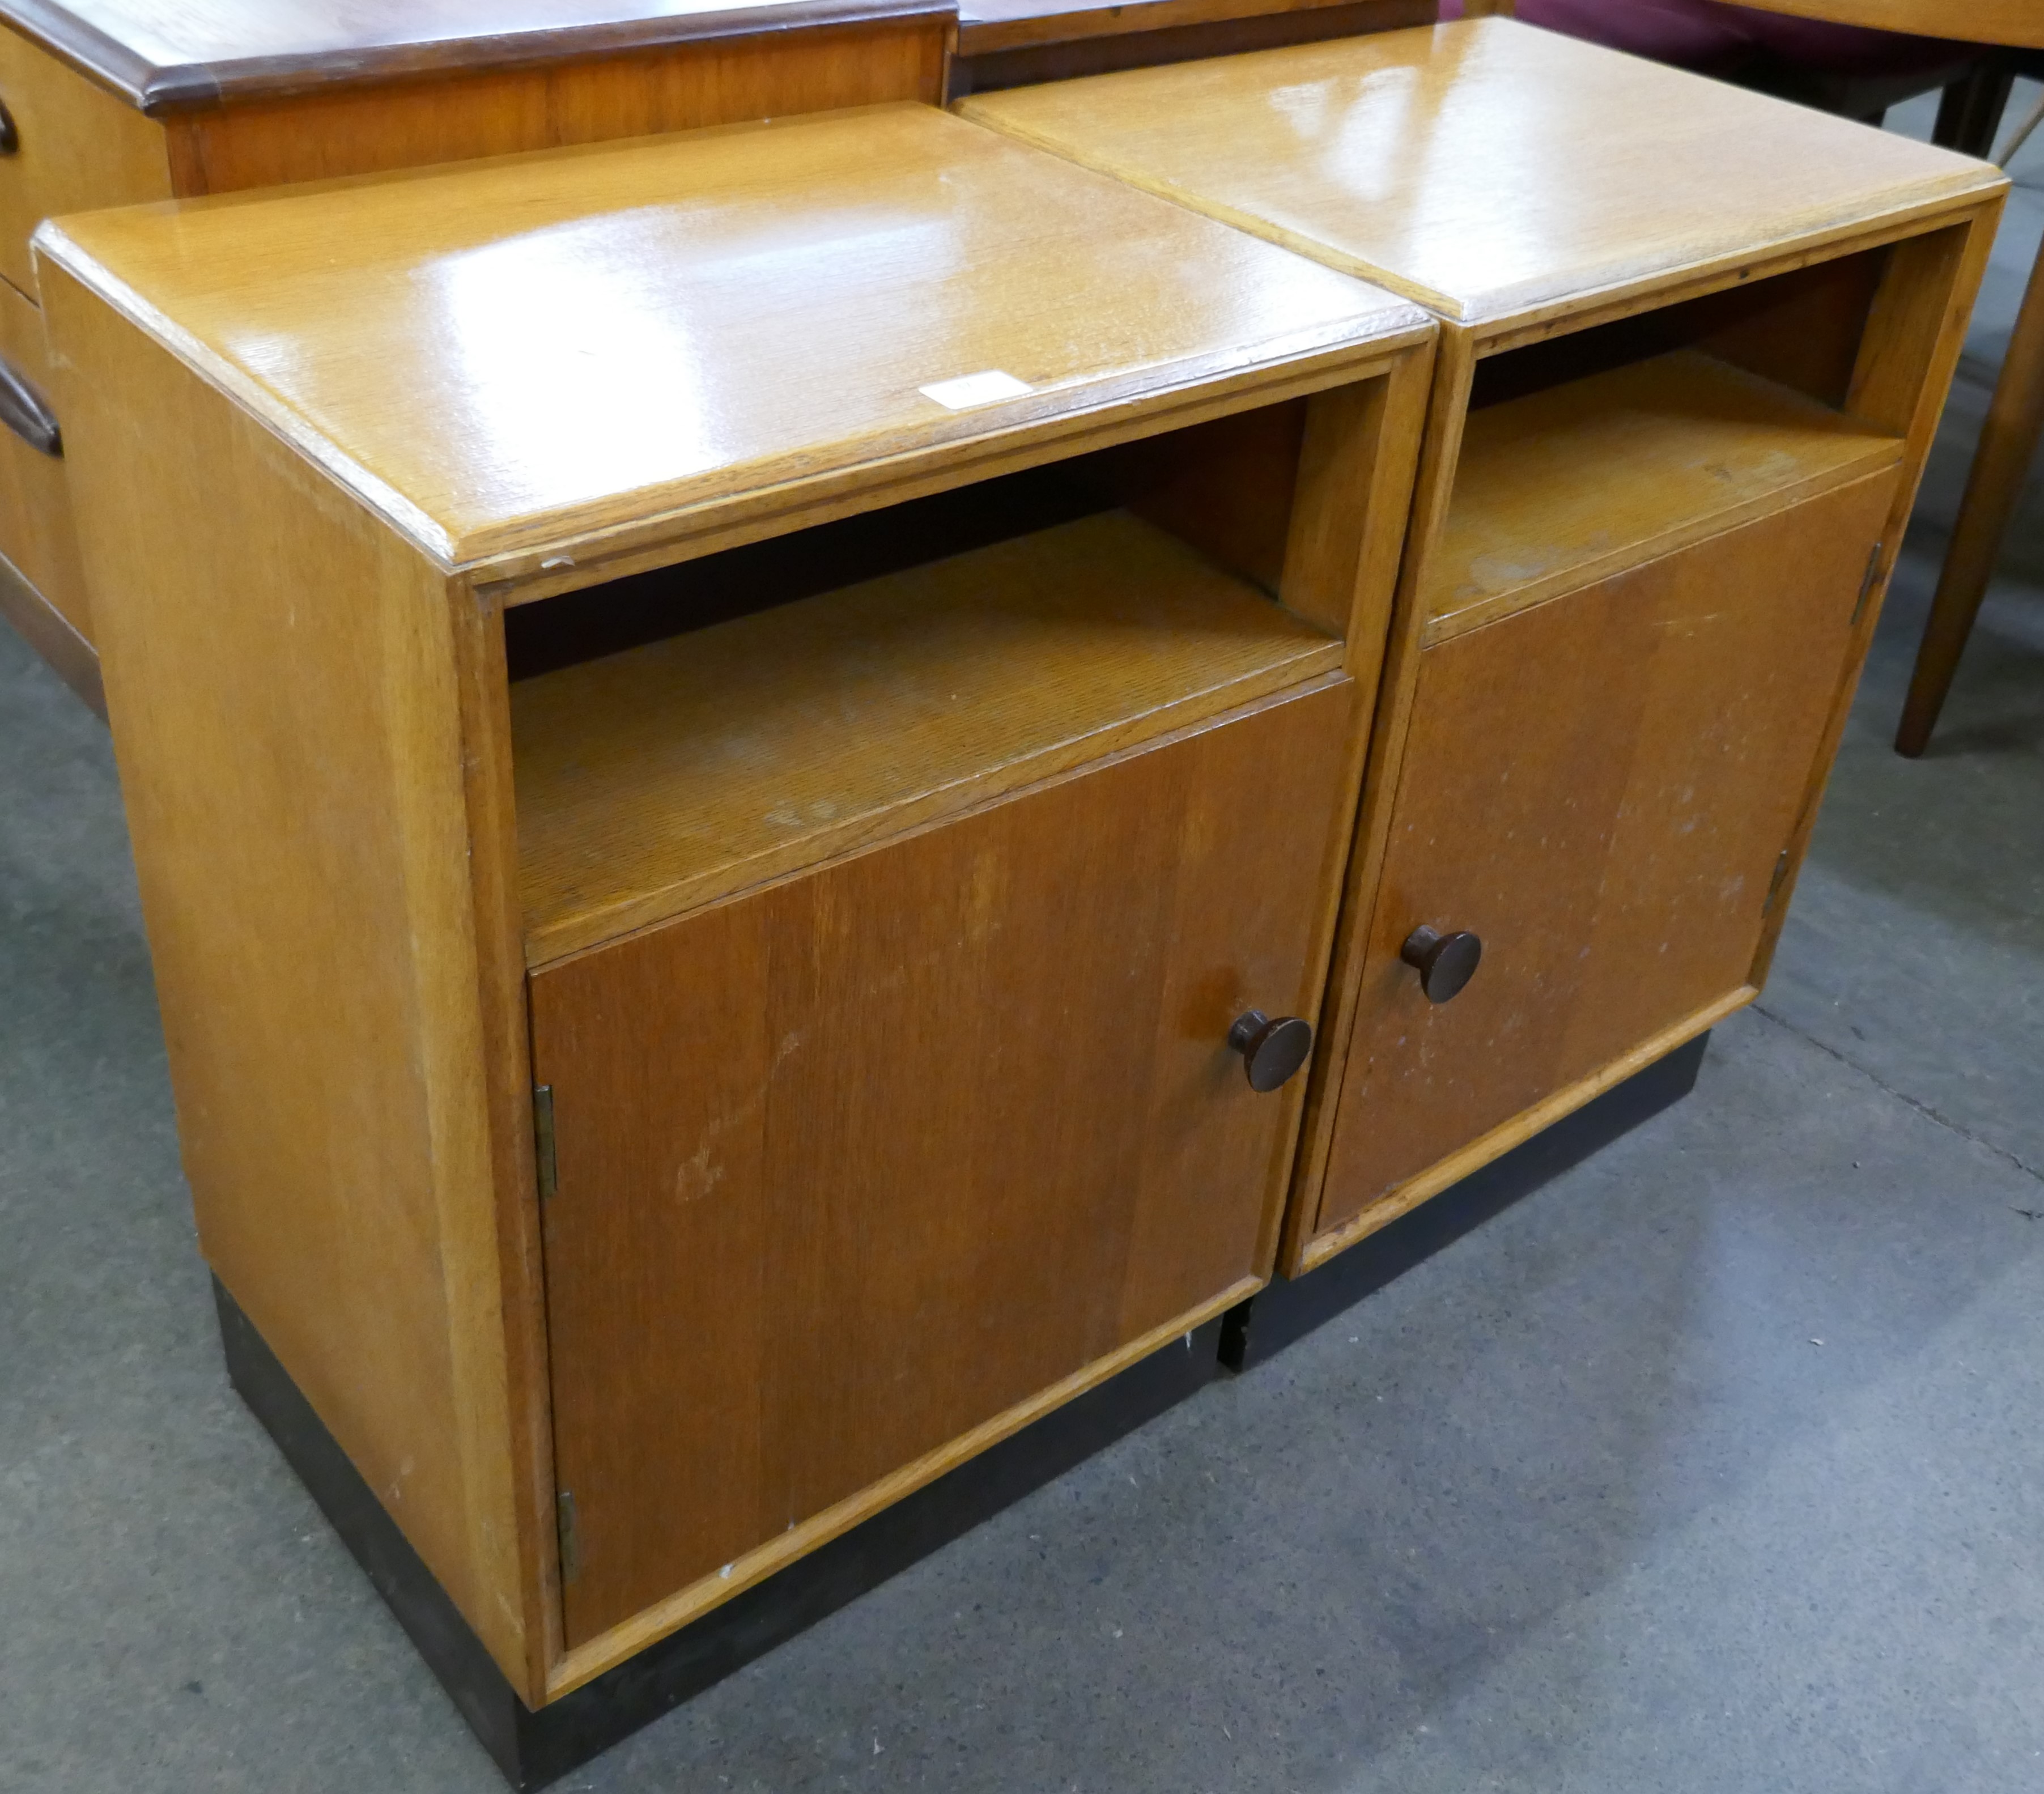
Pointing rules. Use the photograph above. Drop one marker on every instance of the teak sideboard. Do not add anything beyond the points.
(739, 801)
(1694, 346)
(109, 102)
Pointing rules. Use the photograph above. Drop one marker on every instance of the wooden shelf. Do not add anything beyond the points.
(655, 781)
(1566, 487)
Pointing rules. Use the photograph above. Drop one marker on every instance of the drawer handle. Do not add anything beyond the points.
(10, 139)
(1271, 1051)
(1445, 962)
(25, 412)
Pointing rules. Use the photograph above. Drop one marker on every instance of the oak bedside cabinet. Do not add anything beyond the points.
(108, 102)
(1694, 344)
(740, 751)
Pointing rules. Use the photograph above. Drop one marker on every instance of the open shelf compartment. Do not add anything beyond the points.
(1562, 487)
(655, 781)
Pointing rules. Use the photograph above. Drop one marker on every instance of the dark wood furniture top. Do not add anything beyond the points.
(173, 55)
(1025, 43)
(986, 25)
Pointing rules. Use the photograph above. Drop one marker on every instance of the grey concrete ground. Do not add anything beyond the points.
(1716, 1466)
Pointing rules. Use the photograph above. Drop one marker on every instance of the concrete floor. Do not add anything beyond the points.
(1716, 1466)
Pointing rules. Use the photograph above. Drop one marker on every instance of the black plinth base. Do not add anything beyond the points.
(533, 1748)
(1273, 1319)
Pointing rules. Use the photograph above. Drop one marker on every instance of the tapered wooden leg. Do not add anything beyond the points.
(1970, 112)
(2006, 445)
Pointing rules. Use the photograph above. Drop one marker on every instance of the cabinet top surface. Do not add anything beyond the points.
(1487, 168)
(505, 357)
(170, 55)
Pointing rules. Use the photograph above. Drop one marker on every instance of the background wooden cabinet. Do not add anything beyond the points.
(113, 103)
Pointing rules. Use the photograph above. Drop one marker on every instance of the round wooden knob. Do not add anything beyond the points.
(1271, 1051)
(10, 139)
(1445, 962)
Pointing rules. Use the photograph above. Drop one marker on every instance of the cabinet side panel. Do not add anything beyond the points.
(850, 1166)
(1601, 788)
(1907, 357)
(283, 680)
(411, 124)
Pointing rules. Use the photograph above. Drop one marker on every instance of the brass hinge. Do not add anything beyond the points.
(1866, 586)
(1774, 884)
(543, 1140)
(570, 1539)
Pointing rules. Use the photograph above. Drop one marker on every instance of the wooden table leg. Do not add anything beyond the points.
(2000, 465)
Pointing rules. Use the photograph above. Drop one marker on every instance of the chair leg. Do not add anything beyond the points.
(2001, 463)
(2022, 133)
(1970, 112)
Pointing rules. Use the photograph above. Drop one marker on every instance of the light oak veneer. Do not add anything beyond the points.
(1568, 210)
(311, 482)
(1556, 489)
(1486, 168)
(518, 358)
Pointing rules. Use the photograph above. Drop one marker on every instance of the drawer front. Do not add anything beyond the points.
(76, 149)
(1600, 789)
(856, 1165)
(37, 534)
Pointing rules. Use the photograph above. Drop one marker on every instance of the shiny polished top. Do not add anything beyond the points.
(500, 356)
(1486, 168)
(165, 55)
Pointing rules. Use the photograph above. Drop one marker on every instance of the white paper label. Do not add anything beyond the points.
(970, 389)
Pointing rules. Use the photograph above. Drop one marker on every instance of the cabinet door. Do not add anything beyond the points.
(854, 1165)
(1601, 788)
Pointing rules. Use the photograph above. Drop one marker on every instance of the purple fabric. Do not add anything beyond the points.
(1689, 33)
(1717, 39)
(1845, 49)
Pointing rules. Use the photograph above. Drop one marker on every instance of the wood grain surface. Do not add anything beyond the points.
(851, 1166)
(169, 56)
(616, 1644)
(1916, 329)
(1603, 788)
(1486, 168)
(537, 348)
(1443, 1174)
(1399, 632)
(80, 149)
(37, 532)
(1566, 487)
(2018, 23)
(336, 131)
(655, 781)
(303, 799)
